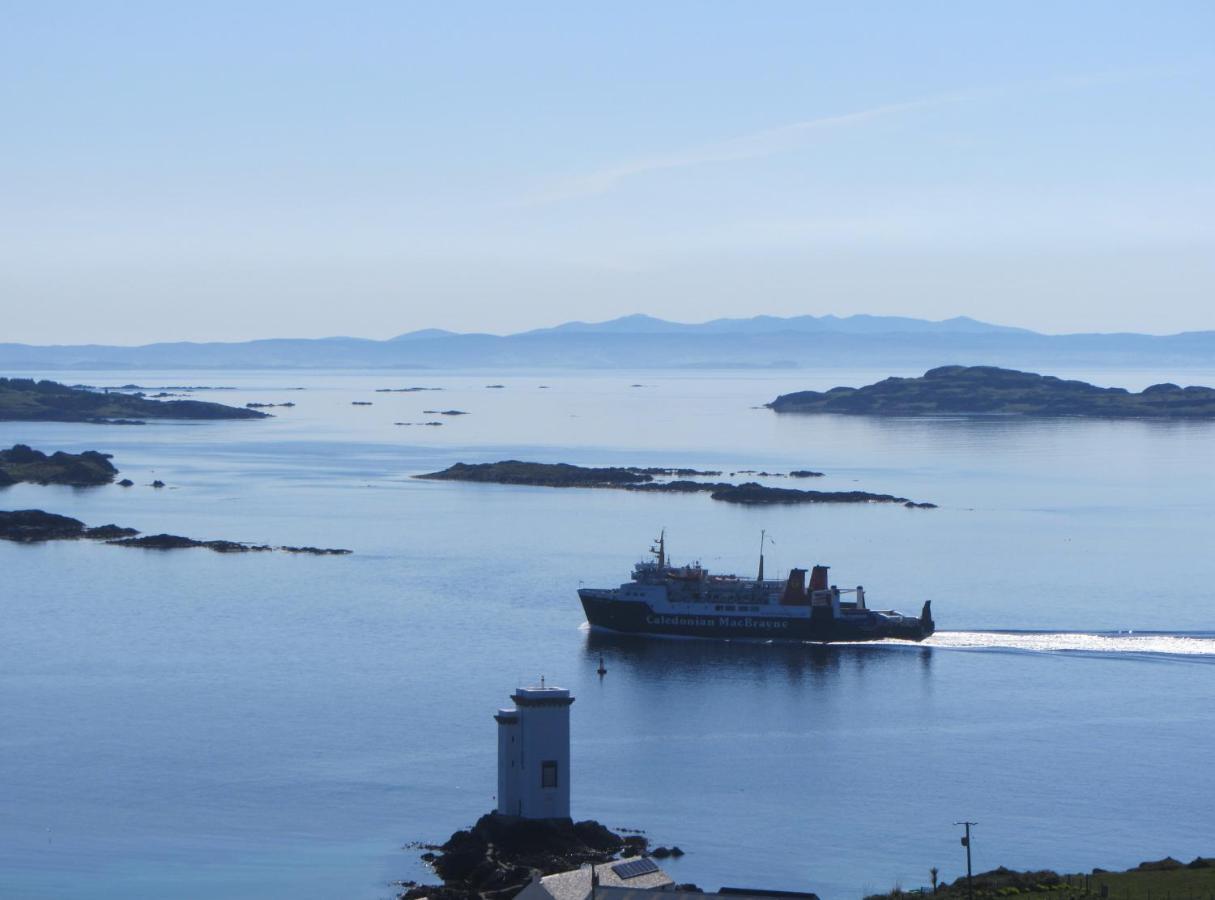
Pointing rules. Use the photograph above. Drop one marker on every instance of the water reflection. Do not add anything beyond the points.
(655, 658)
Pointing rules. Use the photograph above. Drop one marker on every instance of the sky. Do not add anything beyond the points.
(227, 171)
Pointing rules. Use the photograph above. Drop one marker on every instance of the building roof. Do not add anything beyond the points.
(639, 893)
(542, 696)
(576, 884)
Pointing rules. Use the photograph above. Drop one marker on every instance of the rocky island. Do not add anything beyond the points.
(35, 526)
(26, 400)
(513, 471)
(22, 463)
(988, 390)
(498, 856)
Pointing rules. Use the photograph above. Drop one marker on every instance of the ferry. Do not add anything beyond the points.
(688, 601)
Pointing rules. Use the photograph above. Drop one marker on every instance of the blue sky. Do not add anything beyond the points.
(227, 171)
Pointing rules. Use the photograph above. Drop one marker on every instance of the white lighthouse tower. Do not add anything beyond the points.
(534, 754)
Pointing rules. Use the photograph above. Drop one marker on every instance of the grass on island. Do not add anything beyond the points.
(1169, 884)
(1165, 880)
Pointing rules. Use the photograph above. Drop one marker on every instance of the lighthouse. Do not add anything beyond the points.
(534, 754)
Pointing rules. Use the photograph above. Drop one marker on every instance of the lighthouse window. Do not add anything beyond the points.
(548, 774)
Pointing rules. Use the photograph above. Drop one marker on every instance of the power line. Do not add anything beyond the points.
(970, 888)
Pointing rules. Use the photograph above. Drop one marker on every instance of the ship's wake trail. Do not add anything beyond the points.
(1194, 646)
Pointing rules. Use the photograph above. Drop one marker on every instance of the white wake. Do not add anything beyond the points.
(1076, 642)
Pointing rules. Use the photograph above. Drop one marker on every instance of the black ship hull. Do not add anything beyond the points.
(637, 617)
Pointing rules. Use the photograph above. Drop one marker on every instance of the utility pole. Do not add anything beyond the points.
(970, 888)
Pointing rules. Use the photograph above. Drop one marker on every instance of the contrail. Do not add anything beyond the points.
(755, 145)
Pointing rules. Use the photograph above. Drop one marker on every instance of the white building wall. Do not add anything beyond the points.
(534, 754)
(509, 747)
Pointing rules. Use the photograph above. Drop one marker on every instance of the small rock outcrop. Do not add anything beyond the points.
(177, 542)
(513, 471)
(23, 463)
(29, 526)
(754, 494)
(109, 532)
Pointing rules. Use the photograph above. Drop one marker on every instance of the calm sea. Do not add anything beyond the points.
(190, 724)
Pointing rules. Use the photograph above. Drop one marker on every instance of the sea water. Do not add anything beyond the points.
(193, 724)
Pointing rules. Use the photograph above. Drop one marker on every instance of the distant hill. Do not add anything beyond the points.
(425, 334)
(986, 390)
(639, 341)
(858, 324)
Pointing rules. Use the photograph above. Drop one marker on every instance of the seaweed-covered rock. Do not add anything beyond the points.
(753, 494)
(177, 542)
(317, 551)
(34, 525)
(158, 542)
(499, 855)
(109, 532)
(23, 463)
(28, 526)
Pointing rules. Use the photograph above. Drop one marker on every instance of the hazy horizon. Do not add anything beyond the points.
(291, 170)
(390, 334)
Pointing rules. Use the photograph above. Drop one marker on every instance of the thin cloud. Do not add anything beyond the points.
(757, 145)
(786, 138)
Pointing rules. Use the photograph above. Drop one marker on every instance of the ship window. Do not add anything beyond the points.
(548, 773)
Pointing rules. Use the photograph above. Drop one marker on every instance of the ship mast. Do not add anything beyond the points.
(661, 551)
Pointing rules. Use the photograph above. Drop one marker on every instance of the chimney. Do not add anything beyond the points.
(795, 589)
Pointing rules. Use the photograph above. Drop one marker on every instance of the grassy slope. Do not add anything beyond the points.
(1181, 883)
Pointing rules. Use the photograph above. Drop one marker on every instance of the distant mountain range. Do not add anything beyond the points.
(860, 324)
(641, 341)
